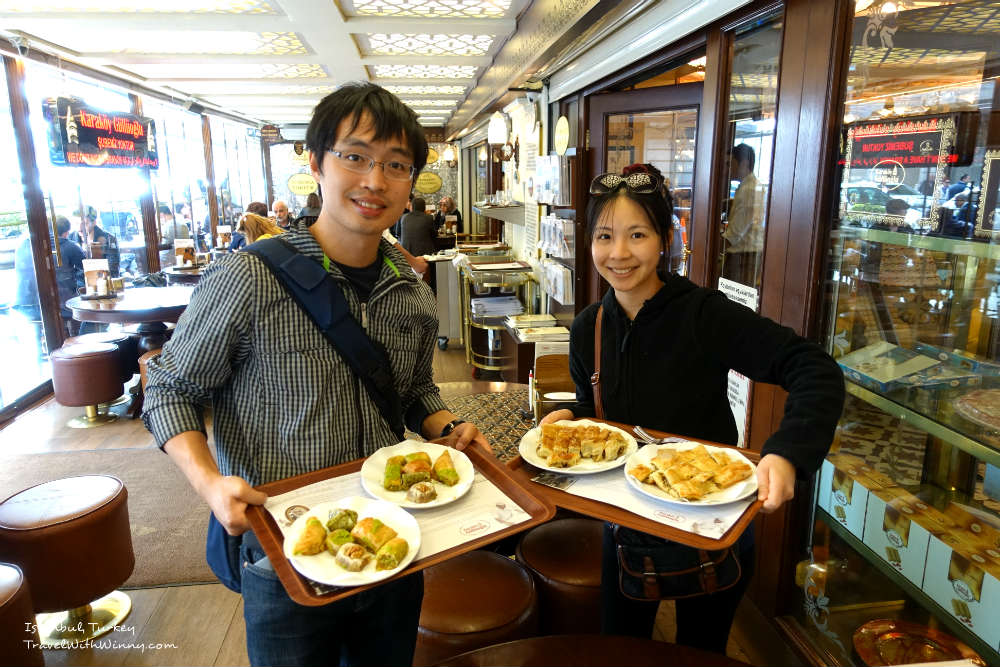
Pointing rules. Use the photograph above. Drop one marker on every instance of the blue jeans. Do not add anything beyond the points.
(702, 622)
(377, 627)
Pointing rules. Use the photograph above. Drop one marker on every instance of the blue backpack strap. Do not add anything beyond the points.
(309, 284)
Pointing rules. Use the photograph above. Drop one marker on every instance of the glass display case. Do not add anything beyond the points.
(904, 556)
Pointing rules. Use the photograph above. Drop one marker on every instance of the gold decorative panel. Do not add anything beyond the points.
(425, 90)
(475, 9)
(428, 45)
(424, 71)
(430, 103)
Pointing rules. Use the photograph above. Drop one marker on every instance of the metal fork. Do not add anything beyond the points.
(650, 440)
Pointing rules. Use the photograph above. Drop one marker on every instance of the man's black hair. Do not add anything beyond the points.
(179, 208)
(62, 225)
(744, 153)
(419, 205)
(896, 206)
(165, 210)
(659, 208)
(391, 119)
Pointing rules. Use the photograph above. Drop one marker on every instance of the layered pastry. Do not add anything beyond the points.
(393, 477)
(312, 540)
(421, 492)
(566, 445)
(341, 518)
(691, 474)
(444, 470)
(352, 557)
(372, 533)
(337, 539)
(417, 468)
(391, 554)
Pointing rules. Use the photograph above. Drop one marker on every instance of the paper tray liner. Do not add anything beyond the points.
(301, 591)
(524, 471)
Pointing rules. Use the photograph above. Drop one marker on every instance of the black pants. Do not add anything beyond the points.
(702, 622)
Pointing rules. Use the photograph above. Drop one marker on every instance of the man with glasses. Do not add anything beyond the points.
(286, 403)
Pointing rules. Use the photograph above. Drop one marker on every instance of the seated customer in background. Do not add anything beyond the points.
(418, 230)
(256, 227)
(446, 209)
(95, 242)
(311, 209)
(238, 239)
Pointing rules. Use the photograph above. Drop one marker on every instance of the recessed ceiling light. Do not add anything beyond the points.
(141, 6)
(425, 90)
(208, 70)
(113, 40)
(430, 103)
(425, 71)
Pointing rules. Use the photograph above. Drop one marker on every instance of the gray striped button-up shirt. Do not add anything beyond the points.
(284, 402)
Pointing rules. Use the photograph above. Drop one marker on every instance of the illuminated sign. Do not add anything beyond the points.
(82, 136)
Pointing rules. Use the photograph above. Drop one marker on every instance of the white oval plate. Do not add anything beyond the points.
(323, 568)
(373, 474)
(529, 444)
(736, 492)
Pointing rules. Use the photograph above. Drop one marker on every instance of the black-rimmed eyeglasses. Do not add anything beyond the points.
(362, 164)
(638, 183)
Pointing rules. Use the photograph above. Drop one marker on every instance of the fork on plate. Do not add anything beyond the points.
(650, 440)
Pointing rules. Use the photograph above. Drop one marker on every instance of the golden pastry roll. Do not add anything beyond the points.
(372, 533)
(341, 518)
(444, 469)
(641, 472)
(417, 470)
(736, 471)
(391, 554)
(312, 540)
(393, 478)
(337, 539)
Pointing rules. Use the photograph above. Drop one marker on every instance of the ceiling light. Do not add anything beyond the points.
(425, 90)
(430, 103)
(398, 44)
(483, 154)
(425, 71)
(142, 6)
(432, 8)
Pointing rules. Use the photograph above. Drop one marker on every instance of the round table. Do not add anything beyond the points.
(150, 307)
(590, 650)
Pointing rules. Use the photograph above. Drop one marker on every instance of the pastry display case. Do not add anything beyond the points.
(903, 558)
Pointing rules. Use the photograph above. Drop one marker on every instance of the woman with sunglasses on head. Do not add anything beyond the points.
(666, 348)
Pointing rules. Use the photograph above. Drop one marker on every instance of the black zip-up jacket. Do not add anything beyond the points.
(668, 370)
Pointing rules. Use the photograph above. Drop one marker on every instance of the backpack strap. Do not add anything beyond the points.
(595, 379)
(315, 291)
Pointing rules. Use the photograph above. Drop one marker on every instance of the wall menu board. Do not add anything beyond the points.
(82, 136)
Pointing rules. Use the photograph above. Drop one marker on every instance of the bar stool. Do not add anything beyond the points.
(474, 600)
(127, 350)
(19, 644)
(87, 374)
(71, 538)
(564, 557)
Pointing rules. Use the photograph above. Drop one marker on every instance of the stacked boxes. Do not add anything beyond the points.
(953, 556)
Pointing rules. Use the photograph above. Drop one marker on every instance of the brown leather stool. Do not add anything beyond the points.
(564, 556)
(71, 538)
(19, 644)
(126, 344)
(474, 600)
(87, 374)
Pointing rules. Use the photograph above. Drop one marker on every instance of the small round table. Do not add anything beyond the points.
(591, 650)
(151, 307)
(183, 275)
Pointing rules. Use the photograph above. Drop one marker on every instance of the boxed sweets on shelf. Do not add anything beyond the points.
(893, 531)
(843, 491)
(883, 366)
(962, 576)
(960, 358)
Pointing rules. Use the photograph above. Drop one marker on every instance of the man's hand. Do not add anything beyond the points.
(556, 415)
(775, 482)
(229, 497)
(466, 433)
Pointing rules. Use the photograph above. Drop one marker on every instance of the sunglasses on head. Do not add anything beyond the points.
(638, 183)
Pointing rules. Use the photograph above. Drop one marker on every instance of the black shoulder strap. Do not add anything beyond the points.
(315, 291)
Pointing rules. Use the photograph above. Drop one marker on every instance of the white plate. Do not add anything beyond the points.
(529, 444)
(373, 474)
(323, 568)
(737, 491)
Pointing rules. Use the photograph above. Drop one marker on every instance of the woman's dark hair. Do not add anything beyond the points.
(313, 201)
(391, 119)
(658, 206)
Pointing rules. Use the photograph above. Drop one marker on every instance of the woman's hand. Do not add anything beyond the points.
(775, 482)
(556, 415)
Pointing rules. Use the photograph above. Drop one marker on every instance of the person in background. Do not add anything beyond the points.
(744, 233)
(418, 230)
(241, 338)
(446, 208)
(90, 235)
(312, 208)
(961, 185)
(909, 216)
(397, 229)
(68, 274)
(418, 264)
(281, 215)
(677, 238)
(256, 227)
(657, 325)
(170, 227)
(238, 240)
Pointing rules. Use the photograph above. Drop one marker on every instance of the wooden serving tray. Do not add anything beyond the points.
(524, 471)
(299, 589)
